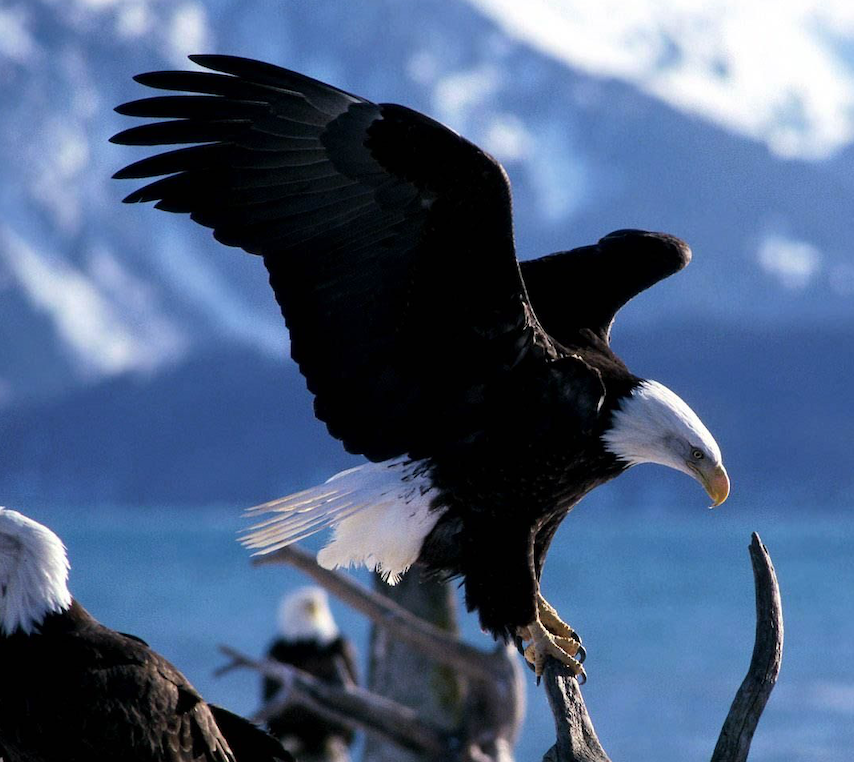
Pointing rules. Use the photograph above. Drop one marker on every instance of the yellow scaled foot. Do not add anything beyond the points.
(556, 626)
(544, 644)
(552, 622)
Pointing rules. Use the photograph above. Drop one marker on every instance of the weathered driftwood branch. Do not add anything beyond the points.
(483, 719)
(485, 716)
(404, 674)
(430, 640)
(737, 732)
(576, 738)
(351, 706)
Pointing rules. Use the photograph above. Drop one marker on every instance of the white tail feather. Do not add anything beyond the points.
(380, 513)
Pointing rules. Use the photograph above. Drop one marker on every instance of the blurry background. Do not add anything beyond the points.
(146, 395)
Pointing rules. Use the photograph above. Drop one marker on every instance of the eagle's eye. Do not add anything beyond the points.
(697, 454)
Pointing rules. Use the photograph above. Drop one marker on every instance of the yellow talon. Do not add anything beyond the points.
(544, 643)
(552, 621)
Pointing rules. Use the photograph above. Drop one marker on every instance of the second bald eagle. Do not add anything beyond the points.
(310, 641)
(483, 391)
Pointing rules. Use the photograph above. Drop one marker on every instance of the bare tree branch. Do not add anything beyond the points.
(351, 705)
(576, 738)
(491, 706)
(495, 711)
(737, 732)
(406, 675)
(421, 635)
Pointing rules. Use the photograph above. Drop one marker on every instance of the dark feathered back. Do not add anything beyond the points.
(77, 690)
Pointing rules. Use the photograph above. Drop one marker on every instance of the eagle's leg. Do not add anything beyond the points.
(544, 644)
(556, 626)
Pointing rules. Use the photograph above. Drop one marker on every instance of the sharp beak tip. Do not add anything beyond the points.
(718, 486)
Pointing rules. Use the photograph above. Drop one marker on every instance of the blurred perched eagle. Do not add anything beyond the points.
(309, 640)
(482, 390)
(72, 689)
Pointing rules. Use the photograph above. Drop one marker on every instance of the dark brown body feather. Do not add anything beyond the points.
(333, 663)
(77, 691)
(505, 497)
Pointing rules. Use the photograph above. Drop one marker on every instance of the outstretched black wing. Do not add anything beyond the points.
(586, 287)
(388, 239)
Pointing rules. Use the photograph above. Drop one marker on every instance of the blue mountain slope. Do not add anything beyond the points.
(226, 427)
(236, 427)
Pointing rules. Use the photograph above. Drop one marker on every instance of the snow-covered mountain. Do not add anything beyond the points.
(92, 289)
(780, 72)
(89, 288)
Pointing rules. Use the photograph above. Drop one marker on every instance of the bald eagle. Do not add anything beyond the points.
(72, 689)
(309, 640)
(483, 391)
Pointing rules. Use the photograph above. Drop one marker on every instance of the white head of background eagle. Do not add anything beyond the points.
(305, 615)
(33, 573)
(655, 425)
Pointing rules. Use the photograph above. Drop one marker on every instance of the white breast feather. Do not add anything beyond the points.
(380, 514)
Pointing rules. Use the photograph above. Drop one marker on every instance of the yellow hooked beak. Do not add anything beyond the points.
(716, 482)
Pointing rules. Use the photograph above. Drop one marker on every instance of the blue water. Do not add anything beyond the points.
(663, 599)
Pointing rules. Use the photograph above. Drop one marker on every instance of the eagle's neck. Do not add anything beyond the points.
(33, 574)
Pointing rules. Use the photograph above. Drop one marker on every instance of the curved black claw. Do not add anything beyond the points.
(581, 655)
(581, 676)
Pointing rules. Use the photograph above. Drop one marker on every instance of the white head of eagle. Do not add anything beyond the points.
(305, 615)
(655, 425)
(33, 573)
